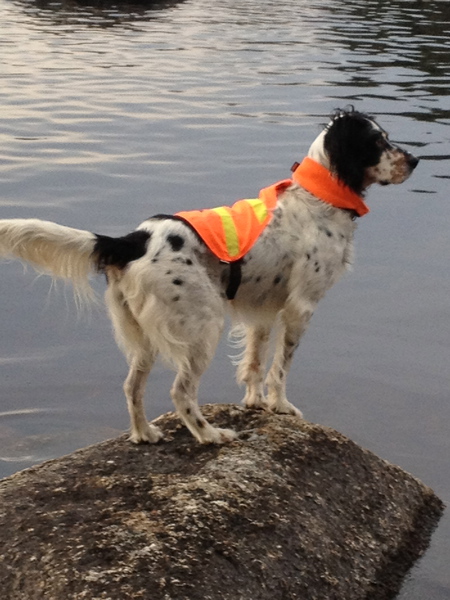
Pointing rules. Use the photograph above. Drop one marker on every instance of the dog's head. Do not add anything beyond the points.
(358, 151)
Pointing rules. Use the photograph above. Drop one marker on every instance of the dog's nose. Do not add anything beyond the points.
(413, 161)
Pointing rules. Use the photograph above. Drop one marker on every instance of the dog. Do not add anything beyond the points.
(168, 294)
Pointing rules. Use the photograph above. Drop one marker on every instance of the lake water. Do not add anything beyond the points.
(112, 112)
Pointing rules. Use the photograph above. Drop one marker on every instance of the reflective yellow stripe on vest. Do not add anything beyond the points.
(229, 230)
(231, 234)
(259, 208)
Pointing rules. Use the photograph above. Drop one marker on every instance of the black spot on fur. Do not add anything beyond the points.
(200, 423)
(175, 298)
(118, 252)
(189, 261)
(291, 348)
(308, 256)
(177, 282)
(277, 280)
(161, 217)
(176, 242)
(328, 232)
(258, 279)
(164, 217)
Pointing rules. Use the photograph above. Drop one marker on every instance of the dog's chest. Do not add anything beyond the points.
(302, 253)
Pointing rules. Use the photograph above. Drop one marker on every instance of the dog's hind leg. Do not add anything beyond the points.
(140, 355)
(294, 321)
(181, 317)
(184, 394)
(251, 367)
(134, 387)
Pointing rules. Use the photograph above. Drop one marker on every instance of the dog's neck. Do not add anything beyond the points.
(317, 150)
(318, 154)
(321, 183)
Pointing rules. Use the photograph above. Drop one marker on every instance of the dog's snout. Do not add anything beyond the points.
(412, 160)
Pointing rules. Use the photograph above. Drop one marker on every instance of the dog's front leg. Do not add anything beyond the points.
(294, 321)
(251, 367)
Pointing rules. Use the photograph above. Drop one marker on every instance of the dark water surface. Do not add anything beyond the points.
(113, 112)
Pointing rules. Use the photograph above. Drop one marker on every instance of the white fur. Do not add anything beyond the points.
(53, 249)
(172, 302)
(317, 151)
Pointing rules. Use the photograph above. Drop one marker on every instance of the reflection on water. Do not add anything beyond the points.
(44, 433)
(114, 111)
(383, 33)
(95, 13)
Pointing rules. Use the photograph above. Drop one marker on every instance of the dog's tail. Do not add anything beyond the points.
(60, 251)
(67, 253)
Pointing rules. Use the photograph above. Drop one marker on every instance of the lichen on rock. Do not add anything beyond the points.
(289, 511)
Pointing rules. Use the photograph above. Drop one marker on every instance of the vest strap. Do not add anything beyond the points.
(235, 279)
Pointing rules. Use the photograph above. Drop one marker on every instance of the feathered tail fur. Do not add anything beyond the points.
(60, 251)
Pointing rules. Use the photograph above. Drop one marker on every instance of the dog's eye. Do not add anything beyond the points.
(382, 142)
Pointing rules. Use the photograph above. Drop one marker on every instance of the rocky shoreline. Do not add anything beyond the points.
(290, 511)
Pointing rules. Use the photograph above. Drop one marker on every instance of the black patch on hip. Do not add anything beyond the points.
(118, 252)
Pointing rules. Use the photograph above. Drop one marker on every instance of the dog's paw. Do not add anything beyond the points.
(255, 401)
(283, 407)
(147, 435)
(215, 435)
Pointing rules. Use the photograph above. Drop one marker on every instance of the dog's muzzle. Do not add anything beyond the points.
(413, 161)
(410, 160)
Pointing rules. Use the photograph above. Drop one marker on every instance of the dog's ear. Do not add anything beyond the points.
(348, 146)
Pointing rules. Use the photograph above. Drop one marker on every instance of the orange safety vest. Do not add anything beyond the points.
(322, 184)
(231, 231)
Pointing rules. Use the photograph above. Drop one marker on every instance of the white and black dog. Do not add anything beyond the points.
(167, 293)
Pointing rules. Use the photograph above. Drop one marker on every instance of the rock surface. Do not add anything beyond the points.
(290, 511)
